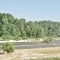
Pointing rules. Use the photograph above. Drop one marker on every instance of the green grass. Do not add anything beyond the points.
(45, 59)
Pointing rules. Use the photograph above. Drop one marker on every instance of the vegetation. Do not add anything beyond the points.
(13, 28)
(48, 40)
(8, 47)
(45, 59)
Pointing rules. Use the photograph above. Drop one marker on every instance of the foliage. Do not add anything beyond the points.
(48, 40)
(8, 37)
(45, 59)
(8, 47)
(10, 26)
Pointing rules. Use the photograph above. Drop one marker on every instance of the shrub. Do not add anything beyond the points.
(48, 40)
(8, 47)
(7, 37)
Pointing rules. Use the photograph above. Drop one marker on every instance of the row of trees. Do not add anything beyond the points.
(13, 28)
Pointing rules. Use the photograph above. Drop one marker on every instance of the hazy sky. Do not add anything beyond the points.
(34, 10)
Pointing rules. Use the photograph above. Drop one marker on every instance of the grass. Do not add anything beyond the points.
(52, 53)
(45, 59)
(45, 50)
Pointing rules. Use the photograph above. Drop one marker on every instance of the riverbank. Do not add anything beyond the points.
(27, 40)
(22, 54)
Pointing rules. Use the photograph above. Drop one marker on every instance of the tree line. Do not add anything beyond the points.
(14, 28)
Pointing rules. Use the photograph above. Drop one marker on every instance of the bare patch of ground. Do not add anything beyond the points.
(22, 54)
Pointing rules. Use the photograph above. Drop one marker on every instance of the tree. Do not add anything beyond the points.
(11, 27)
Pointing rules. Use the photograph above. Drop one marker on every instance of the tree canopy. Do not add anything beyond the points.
(14, 28)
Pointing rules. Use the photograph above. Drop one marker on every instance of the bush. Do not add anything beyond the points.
(48, 40)
(8, 47)
(7, 37)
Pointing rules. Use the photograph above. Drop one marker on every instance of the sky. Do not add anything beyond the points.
(32, 10)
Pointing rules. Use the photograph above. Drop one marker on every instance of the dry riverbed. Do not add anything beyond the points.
(22, 54)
